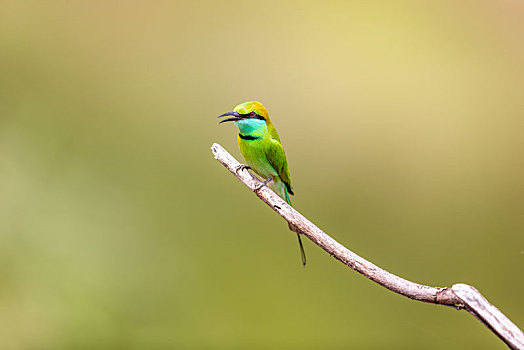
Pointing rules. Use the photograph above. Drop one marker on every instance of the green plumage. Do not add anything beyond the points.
(260, 146)
(266, 157)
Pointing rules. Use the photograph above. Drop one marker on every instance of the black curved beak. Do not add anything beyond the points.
(235, 116)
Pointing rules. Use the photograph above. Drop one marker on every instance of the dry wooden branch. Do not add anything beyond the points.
(460, 296)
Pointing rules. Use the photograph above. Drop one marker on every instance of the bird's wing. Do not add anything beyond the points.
(277, 159)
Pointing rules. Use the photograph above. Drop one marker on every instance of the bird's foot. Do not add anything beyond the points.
(242, 167)
(259, 186)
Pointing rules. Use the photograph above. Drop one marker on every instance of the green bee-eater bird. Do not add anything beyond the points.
(259, 143)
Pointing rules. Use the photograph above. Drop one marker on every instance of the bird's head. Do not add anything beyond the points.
(248, 113)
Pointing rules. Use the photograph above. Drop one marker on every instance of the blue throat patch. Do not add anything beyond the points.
(252, 127)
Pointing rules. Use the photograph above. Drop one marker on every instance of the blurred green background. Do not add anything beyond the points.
(402, 123)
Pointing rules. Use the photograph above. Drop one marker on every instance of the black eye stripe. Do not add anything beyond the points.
(253, 115)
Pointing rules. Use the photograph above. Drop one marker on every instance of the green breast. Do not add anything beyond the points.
(255, 154)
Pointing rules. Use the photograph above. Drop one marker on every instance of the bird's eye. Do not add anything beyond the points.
(252, 114)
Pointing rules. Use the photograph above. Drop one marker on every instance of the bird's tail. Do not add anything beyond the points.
(294, 228)
(302, 252)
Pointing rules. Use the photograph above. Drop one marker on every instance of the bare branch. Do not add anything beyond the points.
(460, 296)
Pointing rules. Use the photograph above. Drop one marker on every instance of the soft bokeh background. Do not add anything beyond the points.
(403, 124)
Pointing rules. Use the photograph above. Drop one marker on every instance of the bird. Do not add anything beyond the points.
(260, 145)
